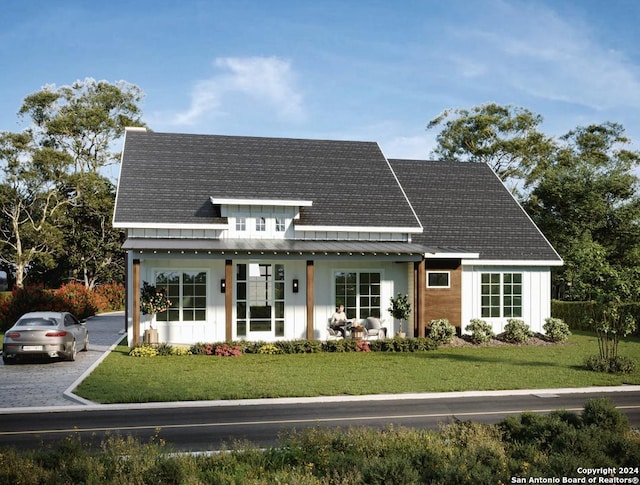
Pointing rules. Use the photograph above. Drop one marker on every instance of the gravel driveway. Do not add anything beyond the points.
(42, 383)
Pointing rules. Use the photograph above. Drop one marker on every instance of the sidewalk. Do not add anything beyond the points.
(44, 384)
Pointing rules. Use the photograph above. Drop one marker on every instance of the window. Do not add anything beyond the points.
(279, 224)
(501, 295)
(359, 293)
(261, 224)
(438, 279)
(241, 224)
(187, 291)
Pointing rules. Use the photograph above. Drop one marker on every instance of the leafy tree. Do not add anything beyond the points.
(72, 134)
(32, 198)
(84, 119)
(504, 137)
(611, 321)
(586, 202)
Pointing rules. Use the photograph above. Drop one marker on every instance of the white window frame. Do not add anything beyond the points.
(261, 224)
(241, 224)
(442, 287)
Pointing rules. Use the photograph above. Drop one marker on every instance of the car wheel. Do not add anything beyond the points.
(85, 347)
(9, 360)
(73, 353)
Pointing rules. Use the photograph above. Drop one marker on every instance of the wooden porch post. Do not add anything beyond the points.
(310, 301)
(228, 300)
(420, 303)
(136, 302)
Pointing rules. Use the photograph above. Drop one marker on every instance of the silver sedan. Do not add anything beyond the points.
(52, 334)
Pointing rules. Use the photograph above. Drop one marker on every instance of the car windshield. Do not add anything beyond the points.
(40, 322)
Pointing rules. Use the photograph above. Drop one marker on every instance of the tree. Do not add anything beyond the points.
(32, 197)
(72, 133)
(504, 137)
(84, 119)
(586, 202)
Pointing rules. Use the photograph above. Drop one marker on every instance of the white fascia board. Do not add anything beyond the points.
(275, 202)
(511, 262)
(160, 225)
(412, 230)
(444, 255)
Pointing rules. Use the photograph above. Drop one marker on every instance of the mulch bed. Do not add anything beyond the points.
(538, 340)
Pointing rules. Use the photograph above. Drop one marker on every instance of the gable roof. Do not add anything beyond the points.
(168, 178)
(466, 206)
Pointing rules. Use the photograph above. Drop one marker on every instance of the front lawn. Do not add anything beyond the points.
(122, 379)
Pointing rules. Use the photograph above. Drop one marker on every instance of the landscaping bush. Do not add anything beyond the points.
(144, 350)
(113, 295)
(481, 331)
(556, 330)
(78, 299)
(613, 365)
(516, 331)
(441, 331)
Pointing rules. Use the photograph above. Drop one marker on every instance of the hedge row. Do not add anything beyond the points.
(579, 314)
(72, 297)
(289, 347)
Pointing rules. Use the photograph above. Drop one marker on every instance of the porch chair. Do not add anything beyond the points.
(333, 334)
(373, 329)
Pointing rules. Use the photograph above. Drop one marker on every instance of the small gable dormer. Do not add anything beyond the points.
(259, 218)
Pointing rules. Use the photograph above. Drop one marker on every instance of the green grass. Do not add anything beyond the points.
(121, 378)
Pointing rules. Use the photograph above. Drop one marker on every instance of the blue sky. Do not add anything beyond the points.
(365, 70)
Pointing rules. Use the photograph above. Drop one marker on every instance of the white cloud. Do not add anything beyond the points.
(266, 81)
(538, 52)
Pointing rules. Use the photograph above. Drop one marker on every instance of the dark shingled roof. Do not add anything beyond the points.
(168, 178)
(465, 205)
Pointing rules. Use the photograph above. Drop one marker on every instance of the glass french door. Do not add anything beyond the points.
(259, 301)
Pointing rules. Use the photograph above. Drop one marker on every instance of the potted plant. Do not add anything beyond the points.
(153, 301)
(400, 309)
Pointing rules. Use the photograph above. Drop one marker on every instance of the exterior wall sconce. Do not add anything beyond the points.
(223, 286)
(296, 286)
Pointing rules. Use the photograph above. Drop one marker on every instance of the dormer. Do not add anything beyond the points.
(260, 218)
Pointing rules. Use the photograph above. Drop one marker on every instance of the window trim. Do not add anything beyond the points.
(241, 224)
(439, 287)
(179, 305)
(358, 308)
(501, 295)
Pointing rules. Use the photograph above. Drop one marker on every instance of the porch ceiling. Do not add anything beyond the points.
(408, 251)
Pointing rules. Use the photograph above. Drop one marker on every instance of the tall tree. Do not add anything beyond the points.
(84, 119)
(504, 137)
(80, 124)
(586, 201)
(32, 198)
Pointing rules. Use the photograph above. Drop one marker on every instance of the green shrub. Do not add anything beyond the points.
(556, 330)
(481, 331)
(613, 365)
(516, 331)
(602, 413)
(441, 331)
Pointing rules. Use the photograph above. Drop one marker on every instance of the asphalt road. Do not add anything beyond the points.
(209, 426)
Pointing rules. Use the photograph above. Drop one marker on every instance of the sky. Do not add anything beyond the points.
(333, 69)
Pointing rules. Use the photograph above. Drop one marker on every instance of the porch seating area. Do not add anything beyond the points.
(368, 329)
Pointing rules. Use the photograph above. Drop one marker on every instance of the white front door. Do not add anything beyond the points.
(260, 301)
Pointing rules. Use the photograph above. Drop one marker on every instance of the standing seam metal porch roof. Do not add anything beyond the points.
(169, 178)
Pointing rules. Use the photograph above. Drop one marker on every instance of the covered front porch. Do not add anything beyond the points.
(273, 290)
